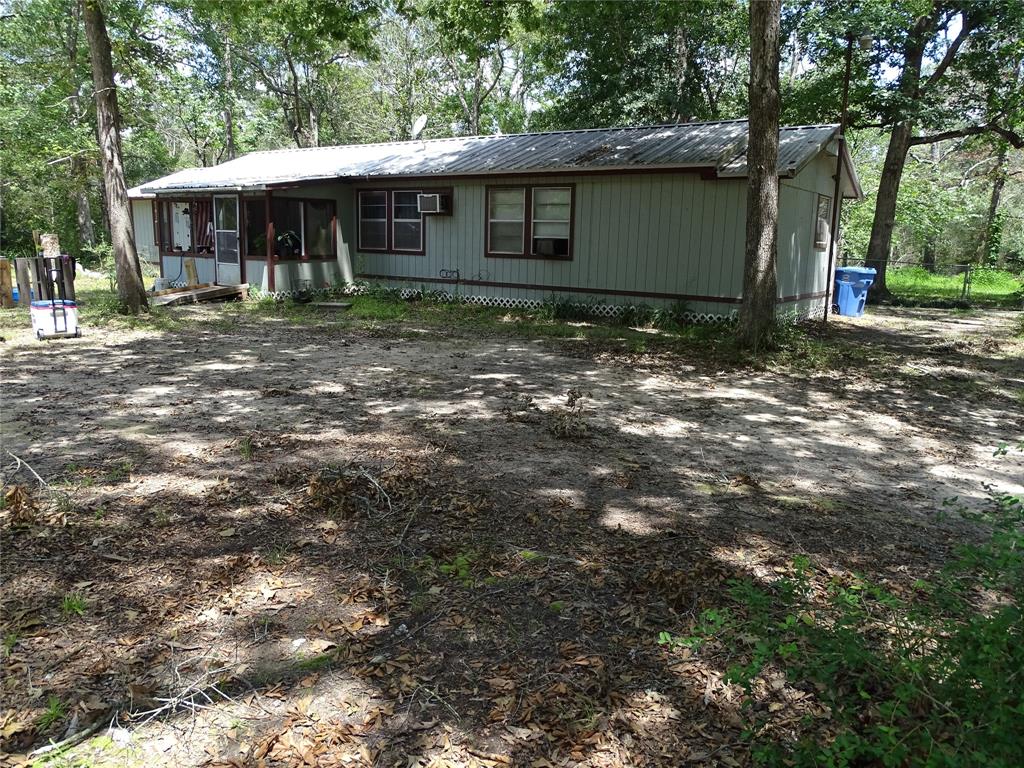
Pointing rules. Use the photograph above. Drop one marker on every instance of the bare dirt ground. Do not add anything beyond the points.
(325, 546)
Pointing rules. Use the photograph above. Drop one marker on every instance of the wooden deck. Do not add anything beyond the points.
(198, 294)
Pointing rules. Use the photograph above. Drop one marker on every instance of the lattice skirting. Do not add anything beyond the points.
(597, 310)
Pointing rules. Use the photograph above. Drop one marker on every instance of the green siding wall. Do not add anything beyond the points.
(668, 233)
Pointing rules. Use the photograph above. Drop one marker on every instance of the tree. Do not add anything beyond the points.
(480, 50)
(642, 62)
(963, 82)
(757, 312)
(49, 151)
(130, 290)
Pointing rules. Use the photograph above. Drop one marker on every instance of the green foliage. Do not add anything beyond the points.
(55, 712)
(10, 640)
(246, 448)
(987, 286)
(460, 567)
(73, 604)
(642, 62)
(925, 678)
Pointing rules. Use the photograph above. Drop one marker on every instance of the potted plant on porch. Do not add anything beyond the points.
(288, 243)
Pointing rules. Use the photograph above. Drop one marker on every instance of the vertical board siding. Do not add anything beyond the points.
(805, 266)
(662, 233)
(145, 235)
(666, 233)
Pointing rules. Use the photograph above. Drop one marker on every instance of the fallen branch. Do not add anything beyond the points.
(72, 740)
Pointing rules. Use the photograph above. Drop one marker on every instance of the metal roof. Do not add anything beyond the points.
(718, 147)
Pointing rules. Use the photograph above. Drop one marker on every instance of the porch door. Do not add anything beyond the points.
(225, 238)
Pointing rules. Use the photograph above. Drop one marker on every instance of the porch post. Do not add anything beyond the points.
(271, 281)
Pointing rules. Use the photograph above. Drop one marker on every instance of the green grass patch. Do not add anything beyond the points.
(377, 308)
(987, 286)
(73, 604)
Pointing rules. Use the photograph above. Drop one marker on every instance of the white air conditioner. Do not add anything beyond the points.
(432, 203)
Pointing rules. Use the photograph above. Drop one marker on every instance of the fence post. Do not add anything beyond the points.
(965, 293)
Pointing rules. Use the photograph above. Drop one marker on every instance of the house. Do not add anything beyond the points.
(612, 217)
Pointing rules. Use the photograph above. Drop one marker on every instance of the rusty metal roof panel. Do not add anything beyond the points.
(718, 147)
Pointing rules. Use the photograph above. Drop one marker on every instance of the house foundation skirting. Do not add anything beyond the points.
(789, 308)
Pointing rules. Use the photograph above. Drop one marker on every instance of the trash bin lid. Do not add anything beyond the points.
(856, 271)
(54, 303)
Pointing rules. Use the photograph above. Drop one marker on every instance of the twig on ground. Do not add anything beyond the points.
(19, 463)
(70, 741)
(380, 490)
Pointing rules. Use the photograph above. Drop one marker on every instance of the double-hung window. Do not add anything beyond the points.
(506, 221)
(552, 217)
(406, 221)
(373, 220)
(390, 221)
(530, 221)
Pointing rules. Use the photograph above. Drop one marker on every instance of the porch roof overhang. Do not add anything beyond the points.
(716, 150)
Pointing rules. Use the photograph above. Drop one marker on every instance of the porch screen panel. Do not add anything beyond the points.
(319, 240)
(287, 217)
(506, 219)
(178, 230)
(202, 219)
(373, 220)
(256, 228)
(407, 221)
(227, 247)
(166, 225)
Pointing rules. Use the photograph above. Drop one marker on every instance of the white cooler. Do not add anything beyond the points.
(54, 318)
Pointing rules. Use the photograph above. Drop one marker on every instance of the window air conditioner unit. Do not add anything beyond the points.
(432, 203)
(544, 246)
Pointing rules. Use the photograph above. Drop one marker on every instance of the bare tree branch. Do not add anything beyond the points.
(970, 130)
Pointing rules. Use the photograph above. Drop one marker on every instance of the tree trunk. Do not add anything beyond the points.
(992, 234)
(79, 167)
(86, 233)
(880, 243)
(757, 312)
(928, 255)
(682, 62)
(130, 290)
(229, 101)
(885, 206)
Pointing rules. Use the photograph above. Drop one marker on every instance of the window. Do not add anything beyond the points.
(552, 213)
(506, 220)
(407, 223)
(373, 221)
(319, 228)
(532, 222)
(823, 223)
(391, 221)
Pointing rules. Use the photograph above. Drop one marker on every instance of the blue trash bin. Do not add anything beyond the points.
(851, 292)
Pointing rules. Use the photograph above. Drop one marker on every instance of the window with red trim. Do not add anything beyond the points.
(389, 221)
(530, 221)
